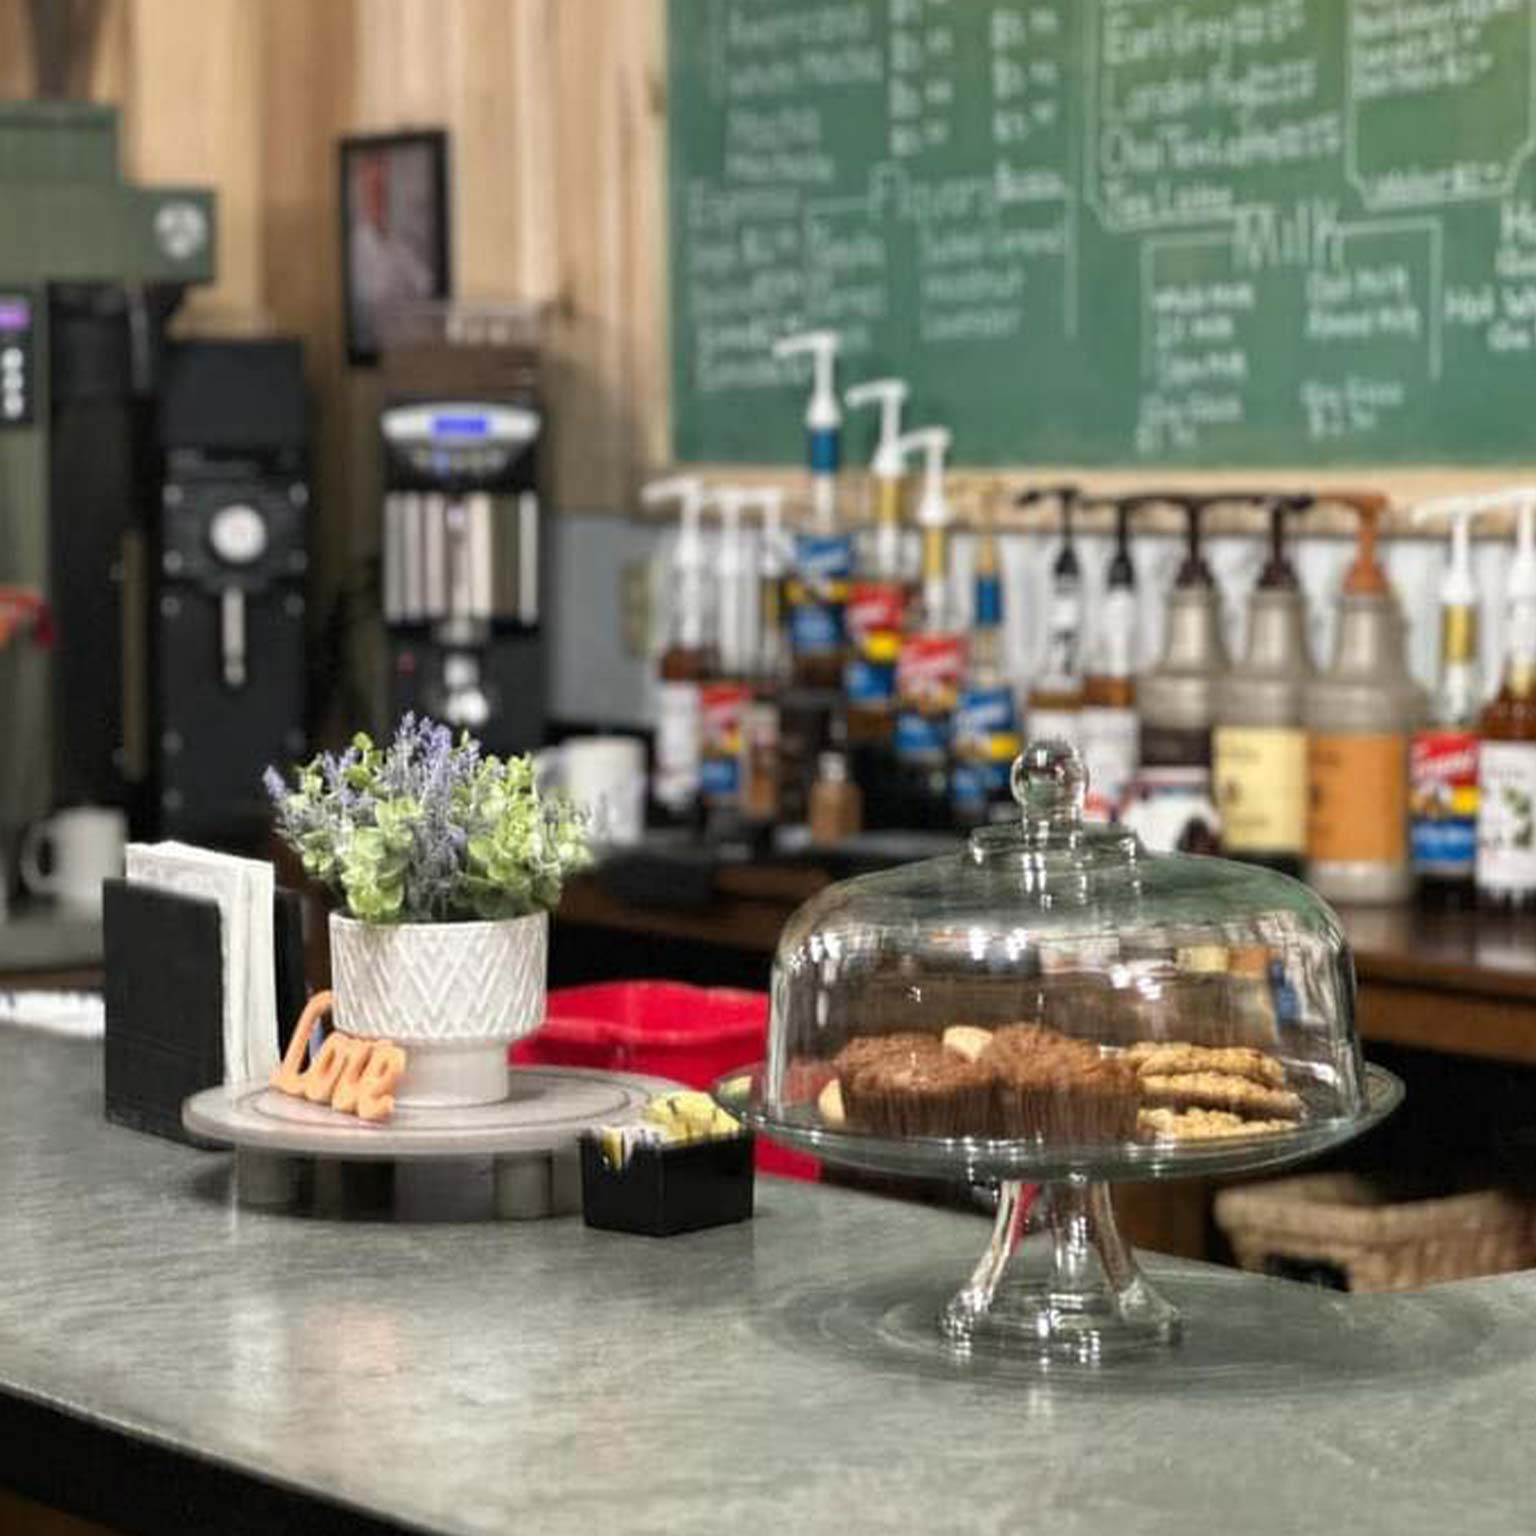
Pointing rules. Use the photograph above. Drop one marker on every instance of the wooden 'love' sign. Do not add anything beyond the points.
(357, 1077)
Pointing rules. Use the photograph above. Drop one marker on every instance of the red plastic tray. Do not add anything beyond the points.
(667, 1028)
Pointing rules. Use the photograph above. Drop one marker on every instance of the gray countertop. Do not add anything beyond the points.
(773, 1376)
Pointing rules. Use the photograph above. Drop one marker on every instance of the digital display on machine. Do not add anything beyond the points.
(15, 312)
(460, 426)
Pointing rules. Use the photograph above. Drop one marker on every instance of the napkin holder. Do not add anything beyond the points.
(164, 999)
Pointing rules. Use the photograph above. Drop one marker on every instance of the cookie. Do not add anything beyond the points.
(967, 1040)
(829, 1105)
(1220, 1090)
(1157, 1058)
(1203, 1125)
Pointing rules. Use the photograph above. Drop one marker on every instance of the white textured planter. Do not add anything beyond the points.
(455, 995)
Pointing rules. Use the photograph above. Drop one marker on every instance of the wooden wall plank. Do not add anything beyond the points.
(15, 52)
(645, 182)
(193, 112)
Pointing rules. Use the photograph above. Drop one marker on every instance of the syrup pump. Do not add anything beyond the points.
(1259, 746)
(1359, 714)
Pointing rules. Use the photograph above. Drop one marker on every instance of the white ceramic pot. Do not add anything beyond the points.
(455, 995)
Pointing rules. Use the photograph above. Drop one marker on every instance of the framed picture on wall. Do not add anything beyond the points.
(394, 228)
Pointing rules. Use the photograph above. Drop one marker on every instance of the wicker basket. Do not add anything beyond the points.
(1360, 1234)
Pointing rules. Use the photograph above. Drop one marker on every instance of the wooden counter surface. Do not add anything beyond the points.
(1458, 982)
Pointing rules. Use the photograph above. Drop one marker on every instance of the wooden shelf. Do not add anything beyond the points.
(1460, 983)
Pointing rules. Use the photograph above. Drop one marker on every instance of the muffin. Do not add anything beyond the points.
(865, 1050)
(909, 1085)
(1053, 1088)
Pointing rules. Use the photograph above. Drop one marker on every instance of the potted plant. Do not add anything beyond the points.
(446, 861)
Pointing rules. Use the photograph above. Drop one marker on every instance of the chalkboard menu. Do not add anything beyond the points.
(1171, 232)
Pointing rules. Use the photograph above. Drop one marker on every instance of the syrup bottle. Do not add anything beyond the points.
(986, 726)
(686, 661)
(1359, 715)
(1442, 756)
(1259, 746)
(823, 557)
(931, 668)
(1056, 696)
(770, 666)
(1171, 807)
(1109, 728)
(1506, 806)
(879, 595)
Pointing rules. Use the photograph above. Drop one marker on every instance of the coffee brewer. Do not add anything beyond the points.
(461, 429)
(229, 616)
(90, 269)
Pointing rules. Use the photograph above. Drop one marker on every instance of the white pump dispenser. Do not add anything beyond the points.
(933, 443)
(823, 419)
(1459, 691)
(772, 559)
(735, 627)
(933, 518)
(688, 555)
(890, 395)
(887, 469)
(1520, 594)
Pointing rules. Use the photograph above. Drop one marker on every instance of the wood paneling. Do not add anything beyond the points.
(555, 112)
(193, 111)
(15, 59)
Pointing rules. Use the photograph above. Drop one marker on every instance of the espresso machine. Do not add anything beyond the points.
(461, 543)
(91, 268)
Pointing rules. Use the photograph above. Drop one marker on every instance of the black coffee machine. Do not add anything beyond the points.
(228, 646)
(462, 577)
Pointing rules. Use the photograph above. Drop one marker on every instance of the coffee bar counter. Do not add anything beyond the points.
(169, 1361)
(44, 946)
(1458, 982)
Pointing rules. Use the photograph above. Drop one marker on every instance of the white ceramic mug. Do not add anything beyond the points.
(85, 847)
(604, 776)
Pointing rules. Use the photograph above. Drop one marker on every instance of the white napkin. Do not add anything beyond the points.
(243, 889)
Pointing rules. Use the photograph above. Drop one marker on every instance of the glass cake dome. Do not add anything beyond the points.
(1053, 1003)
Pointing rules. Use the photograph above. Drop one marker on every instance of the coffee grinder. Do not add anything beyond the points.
(461, 429)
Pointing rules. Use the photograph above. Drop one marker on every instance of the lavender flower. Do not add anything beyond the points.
(428, 830)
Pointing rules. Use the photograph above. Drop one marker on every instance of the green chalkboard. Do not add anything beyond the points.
(1171, 232)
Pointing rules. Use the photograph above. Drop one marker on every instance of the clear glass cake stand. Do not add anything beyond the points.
(1073, 1294)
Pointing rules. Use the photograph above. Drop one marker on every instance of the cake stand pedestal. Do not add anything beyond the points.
(1079, 1296)
(1073, 1295)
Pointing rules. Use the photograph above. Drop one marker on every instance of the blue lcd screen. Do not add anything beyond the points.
(460, 426)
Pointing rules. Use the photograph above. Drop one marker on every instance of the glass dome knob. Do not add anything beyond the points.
(1050, 781)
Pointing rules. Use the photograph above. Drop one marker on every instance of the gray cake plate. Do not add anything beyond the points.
(514, 1159)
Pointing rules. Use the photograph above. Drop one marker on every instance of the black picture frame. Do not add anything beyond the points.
(404, 177)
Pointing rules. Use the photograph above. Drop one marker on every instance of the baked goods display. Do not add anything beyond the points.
(1050, 1009)
(1023, 1082)
(1053, 989)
